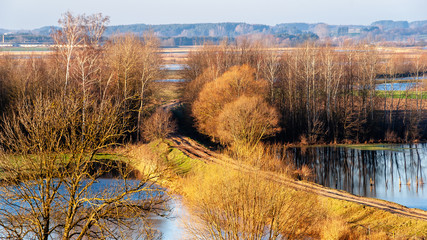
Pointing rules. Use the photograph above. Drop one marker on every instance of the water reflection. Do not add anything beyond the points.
(173, 67)
(394, 172)
(171, 80)
(173, 226)
(395, 86)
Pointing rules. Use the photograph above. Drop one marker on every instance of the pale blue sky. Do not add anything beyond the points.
(29, 14)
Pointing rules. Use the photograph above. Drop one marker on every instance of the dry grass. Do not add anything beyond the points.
(167, 91)
(211, 191)
(158, 156)
(366, 222)
(262, 156)
(336, 228)
(229, 204)
(142, 158)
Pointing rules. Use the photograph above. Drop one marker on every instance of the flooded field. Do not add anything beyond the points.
(396, 173)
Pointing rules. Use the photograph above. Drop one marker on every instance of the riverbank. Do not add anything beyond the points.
(337, 216)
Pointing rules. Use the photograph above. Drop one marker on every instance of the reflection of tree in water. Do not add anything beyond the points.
(366, 172)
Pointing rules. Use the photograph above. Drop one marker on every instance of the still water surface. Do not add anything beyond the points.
(395, 86)
(396, 173)
(173, 67)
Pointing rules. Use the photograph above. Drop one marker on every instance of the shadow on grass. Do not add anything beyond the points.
(186, 126)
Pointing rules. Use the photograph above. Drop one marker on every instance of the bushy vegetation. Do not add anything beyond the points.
(232, 205)
(58, 113)
(321, 94)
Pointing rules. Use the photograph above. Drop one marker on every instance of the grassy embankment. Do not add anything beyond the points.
(204, 184)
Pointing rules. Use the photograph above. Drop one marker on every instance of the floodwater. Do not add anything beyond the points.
(409, 82)
(395, 86)
(396, 173)
(173, 67)
(170, 227)
(171, 80)
(173, 226)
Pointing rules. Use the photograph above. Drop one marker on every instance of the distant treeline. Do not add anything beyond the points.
(396, 32)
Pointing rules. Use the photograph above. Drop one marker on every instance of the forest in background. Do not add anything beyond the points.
(285, 34)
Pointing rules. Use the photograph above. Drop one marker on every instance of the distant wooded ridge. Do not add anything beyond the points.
(403, 32)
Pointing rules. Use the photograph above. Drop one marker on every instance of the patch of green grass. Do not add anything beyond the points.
(402, 94)
(180, 163)
(30, 161)
(373, 147)
(167, 91)
(109, 156)
(367, 147)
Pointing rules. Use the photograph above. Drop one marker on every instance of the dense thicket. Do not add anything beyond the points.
(324, 94)
(122, 70)
(58, 112)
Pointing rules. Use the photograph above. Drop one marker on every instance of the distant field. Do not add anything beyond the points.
(24, 49)
(176, 54)
(179, 54)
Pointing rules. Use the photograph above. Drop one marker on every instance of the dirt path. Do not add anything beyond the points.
(197, 151)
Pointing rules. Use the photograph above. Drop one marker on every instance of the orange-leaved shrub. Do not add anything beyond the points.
(236, 82)
(247, 120)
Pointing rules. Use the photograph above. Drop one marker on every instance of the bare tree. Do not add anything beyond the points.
(270, 69)
(159, 125)
(51, 173)
(50, 163)
(134, 65)
(68, 38)
(122, 57)
(150, 70)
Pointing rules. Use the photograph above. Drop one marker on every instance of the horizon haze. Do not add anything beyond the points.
(29, 14)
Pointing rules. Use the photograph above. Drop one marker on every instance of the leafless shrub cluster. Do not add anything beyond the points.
(159, 125)
(58, 114)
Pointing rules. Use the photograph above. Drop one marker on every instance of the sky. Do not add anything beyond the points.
(30, 14)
